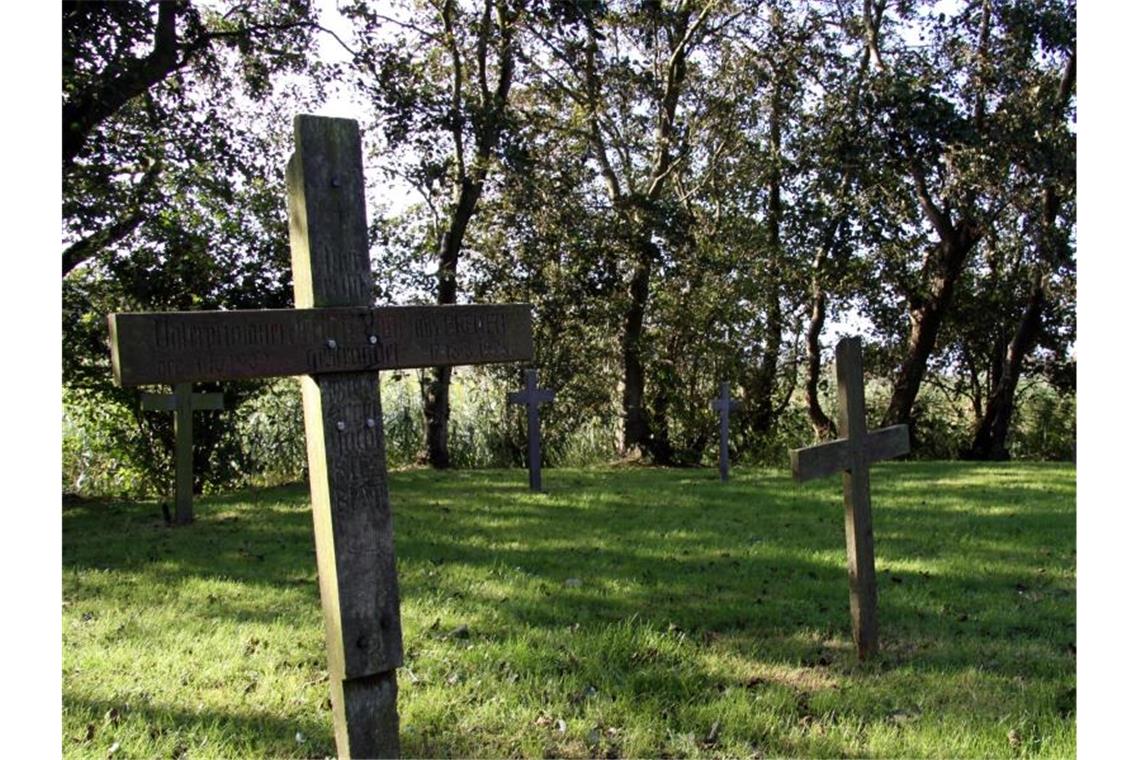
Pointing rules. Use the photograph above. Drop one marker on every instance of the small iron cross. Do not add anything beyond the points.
(531, 397)
(724, 405)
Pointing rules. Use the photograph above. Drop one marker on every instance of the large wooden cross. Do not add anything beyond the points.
(853, 453)
(337, 343)
(724, 405)
(531, 398)
(183, 403)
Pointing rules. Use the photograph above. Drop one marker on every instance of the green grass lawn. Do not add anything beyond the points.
(625, 612)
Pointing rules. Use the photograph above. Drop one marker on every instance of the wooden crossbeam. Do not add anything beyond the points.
(531, 397)
(175, 347)
(853, 453)
(828, 458)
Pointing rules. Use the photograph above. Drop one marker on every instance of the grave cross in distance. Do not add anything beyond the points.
(853, 453)
(337, 343)
(531, 398)
(724, 405)
(183, 403)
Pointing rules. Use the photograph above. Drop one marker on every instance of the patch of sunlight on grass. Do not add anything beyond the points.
(626, 612)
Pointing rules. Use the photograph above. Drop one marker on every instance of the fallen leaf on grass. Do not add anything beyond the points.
(712, 735)
(898, 717)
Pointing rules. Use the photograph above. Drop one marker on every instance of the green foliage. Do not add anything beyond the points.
(106, 451)
(1045, 425)
(680, 207)
(112, 451)
(628, 612)
(272, 432)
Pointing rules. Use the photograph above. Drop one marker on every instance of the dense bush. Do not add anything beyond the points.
(110, 451)
(1045, 425)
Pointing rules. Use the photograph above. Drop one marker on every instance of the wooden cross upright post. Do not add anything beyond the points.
(853, 453)
(337, 342)
(183, 403)
(531, 398)
(724, 405)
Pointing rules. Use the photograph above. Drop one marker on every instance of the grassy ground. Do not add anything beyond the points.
(622, 613)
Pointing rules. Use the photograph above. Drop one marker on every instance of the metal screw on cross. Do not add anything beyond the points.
(531, 397)
(853, 453)
(183, 403)
(724, 405)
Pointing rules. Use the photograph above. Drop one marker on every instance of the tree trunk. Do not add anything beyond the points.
(926, 315)
(762, 385)
(989, 439)
(761, 417)
(437, 393)
(637, 435)
(824, 427)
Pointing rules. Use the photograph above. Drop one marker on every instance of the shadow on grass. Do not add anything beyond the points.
(974, 564)
(178, 731)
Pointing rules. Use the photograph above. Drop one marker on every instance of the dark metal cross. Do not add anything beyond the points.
(183, 403)
(531, 398)
(724, 405)
(337, 342)
(853, 453)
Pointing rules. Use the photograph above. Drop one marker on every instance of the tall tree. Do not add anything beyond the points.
(124, 99)
(1050, 158)
(623, 70)
(939, 111)
(173, 182)
(441, 75)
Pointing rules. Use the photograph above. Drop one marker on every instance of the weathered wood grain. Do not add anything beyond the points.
(344, 433)
(174, 347)
(828, 458)
(862, 586)
(819, 461)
